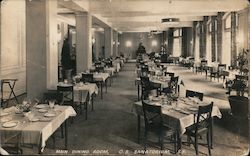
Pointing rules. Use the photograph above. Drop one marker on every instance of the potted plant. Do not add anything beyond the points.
(239, 103)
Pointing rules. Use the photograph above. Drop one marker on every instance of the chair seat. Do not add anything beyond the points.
(167, 90)
(191, 130)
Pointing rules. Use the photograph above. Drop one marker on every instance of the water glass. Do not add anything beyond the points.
(51, 104)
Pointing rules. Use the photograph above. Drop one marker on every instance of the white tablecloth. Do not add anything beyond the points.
(176, 118)
(101, 76)
(38, 132)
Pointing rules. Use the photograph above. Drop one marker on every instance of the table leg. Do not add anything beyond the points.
(139, 126)
(92, 101)
(138, 89)
(211, 133)
(66, 134)
(101, 90)
(106, 85)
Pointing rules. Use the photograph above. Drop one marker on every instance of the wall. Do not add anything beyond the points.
(13, 41)
(135, 39)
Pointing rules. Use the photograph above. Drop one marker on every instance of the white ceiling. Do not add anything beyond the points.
(146, 15)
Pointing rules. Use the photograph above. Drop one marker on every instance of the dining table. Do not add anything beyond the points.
(36, 126)
(178, 114)
(101, 78)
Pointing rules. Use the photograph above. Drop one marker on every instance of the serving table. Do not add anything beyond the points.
(36, 128)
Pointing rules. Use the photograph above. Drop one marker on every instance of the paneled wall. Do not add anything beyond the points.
(13, 43)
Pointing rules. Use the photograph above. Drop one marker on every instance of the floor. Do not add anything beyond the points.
(112, 126)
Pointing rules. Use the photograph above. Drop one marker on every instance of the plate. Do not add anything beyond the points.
(41, 106)
(42, 110)
(10, 124)
(49, 114)
(4, 113)
(5, 119)
(34, 119)
(192, 109)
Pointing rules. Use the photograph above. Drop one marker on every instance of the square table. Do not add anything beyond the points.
(101, 78)
(179, 119)
(38, 132)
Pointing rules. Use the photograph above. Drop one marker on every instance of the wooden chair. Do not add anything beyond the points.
(147, 86)
(172, 87)
(221, 69)
(154, 123)
(190, 93)
(202, 125)
(201, 67)
(169, 74)
(88, 77)
(99, 69)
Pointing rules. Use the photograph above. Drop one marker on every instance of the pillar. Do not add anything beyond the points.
(213, 39)
(83, 41)
(115, 43)
(194, 39)
(108, 33)
(219, 36)
(41, 47)
(233, 39)
(170, 41)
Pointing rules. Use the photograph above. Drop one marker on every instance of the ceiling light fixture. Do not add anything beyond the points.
(170, 20)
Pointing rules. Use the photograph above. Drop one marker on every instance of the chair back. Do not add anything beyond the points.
(87, 77)
(174, 81)
(221, 68)
(99, 69)
(56, 96)
(190, 93)
(68, 93)
(145, 85)
(144, 70)
(152, 116)
(98, 64)
(204, 118)
(241, 77)
(203, 63)
(169, 74)
(109, 64)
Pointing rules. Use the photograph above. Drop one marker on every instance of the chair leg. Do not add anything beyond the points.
(62, 134)
(86, 110)
(209, 142)
(196, 145)
(145, 140)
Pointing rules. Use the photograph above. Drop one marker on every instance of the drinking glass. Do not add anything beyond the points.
(51, 104)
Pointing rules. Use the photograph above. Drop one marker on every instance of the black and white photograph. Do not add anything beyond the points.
(125, 77)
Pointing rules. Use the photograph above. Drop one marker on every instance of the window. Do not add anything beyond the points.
(228, 22)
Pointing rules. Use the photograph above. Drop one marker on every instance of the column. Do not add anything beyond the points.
(41, 47)
(233, 39)
(219, 36)
(83, 41)
(108, 34)
(170, 41)
(213, 40)
(194, 39)
(204, 44)
(115, 43)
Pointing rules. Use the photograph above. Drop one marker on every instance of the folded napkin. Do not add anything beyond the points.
(9, 110)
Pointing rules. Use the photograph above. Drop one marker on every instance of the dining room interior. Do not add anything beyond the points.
(124, 77)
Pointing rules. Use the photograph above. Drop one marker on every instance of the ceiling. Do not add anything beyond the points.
(146, 15)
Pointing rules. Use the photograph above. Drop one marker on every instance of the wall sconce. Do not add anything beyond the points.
(128, 43)
(118, 43)
(154, 43)
(93, 41)
(113, 42)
